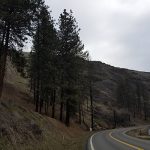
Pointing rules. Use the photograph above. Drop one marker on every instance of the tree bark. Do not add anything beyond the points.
(41, 104)
(115, 119)
(53, 105)
(61, 106)
(80, 113)
(38, 74)
(67, 113)
(92, 113)
(3, 59)
(2, 42)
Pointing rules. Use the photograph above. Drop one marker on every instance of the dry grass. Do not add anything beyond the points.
(141, 133)
(23, 129)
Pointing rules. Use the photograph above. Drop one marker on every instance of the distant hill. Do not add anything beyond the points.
(109, 78)
(108, 95)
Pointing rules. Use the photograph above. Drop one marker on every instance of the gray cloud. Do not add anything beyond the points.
(116, 32)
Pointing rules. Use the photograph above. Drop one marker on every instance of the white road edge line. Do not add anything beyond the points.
(91, 143)
(91, 139)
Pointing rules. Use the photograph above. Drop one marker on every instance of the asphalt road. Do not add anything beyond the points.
(116, 140)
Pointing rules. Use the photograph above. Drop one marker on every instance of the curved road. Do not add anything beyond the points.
(116, 140)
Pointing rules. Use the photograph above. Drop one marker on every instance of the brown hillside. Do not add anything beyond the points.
(21, 128)
(105, 91)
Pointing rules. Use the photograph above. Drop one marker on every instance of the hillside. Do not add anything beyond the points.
(109, 77)
(108, 86)
(21, 128)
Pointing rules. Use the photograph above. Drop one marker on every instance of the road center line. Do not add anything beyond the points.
(132, 146)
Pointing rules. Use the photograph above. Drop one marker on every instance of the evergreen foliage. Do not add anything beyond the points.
(57, 61)
(16, 20)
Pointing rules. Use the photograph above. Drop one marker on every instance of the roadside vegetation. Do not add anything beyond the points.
(141, 133)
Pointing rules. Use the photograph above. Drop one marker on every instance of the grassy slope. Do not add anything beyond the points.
(105, 88)
(21, 128)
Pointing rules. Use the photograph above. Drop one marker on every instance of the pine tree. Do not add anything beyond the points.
(16, 17)
(71, 55)
(43, 69)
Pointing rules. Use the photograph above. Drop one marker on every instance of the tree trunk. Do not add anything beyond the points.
(53, 105)
(61, 106)
(34, 90)
(38, 74)
(145, 111)
(67, 113)
(134, 112)
(31, 84)
(115, 119)
(61, 111)
(3, 60)
(41, 105)
(37, 93)
(129, 117)
(87, 105)
(46, 107)
(80, 113)
(2, 42)
(92, 113)
(37, 99)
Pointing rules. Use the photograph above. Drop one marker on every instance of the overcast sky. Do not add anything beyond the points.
(116, 32)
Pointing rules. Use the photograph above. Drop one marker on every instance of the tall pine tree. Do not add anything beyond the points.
(43, 56)
(71, 55)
